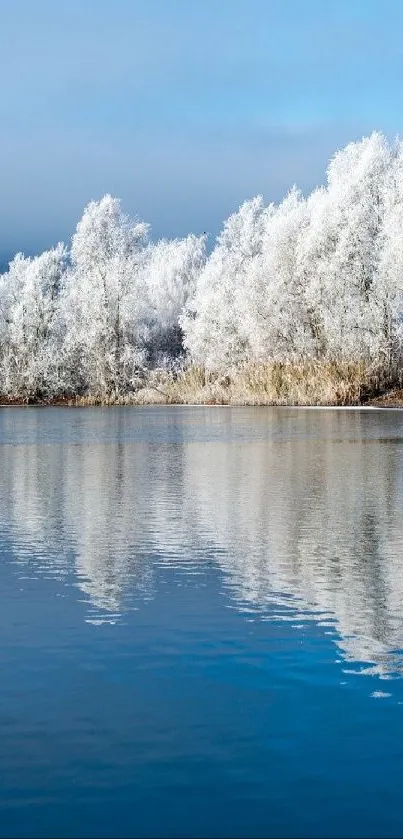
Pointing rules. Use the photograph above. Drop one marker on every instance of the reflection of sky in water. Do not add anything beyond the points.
(300, 510)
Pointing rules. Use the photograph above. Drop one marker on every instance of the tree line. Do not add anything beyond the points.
(317, 277)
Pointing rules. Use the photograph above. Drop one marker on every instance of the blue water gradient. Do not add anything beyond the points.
(201, 623)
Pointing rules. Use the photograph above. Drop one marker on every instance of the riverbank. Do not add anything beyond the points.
(310, 383)
(391, 399)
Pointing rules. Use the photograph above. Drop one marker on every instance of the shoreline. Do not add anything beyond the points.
(371, 405)
(329, 385)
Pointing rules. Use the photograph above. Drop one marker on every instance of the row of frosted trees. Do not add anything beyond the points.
(310, 278)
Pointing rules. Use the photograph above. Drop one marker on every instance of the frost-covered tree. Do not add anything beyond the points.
(315, 278)
(213, 321)
(249, 302)
(387, 290)
(104, 301)
(274, 306)
(29, 336)
(171, 271)
(341, 249)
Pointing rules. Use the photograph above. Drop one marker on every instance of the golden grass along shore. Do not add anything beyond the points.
(307, 383)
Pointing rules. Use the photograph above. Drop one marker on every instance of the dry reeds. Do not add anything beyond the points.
(276, 383)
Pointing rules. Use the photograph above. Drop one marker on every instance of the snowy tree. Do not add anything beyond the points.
(340, 251)
(171, 271)
(30, 342)
(387, 291)
(104, 302)
(274, 306)
(213, 320)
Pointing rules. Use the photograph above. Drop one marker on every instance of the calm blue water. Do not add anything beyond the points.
(201, 618)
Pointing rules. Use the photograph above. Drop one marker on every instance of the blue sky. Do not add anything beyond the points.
(183, 108)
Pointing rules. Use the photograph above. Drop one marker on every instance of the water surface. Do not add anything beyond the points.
(201, 613)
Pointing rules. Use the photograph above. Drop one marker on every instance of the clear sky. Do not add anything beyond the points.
(183, 108)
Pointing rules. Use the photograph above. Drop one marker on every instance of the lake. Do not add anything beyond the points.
(201, 614)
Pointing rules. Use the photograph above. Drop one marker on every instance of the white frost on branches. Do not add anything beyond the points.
(318, 277)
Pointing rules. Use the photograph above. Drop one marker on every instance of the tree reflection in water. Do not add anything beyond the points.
(303, 520)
